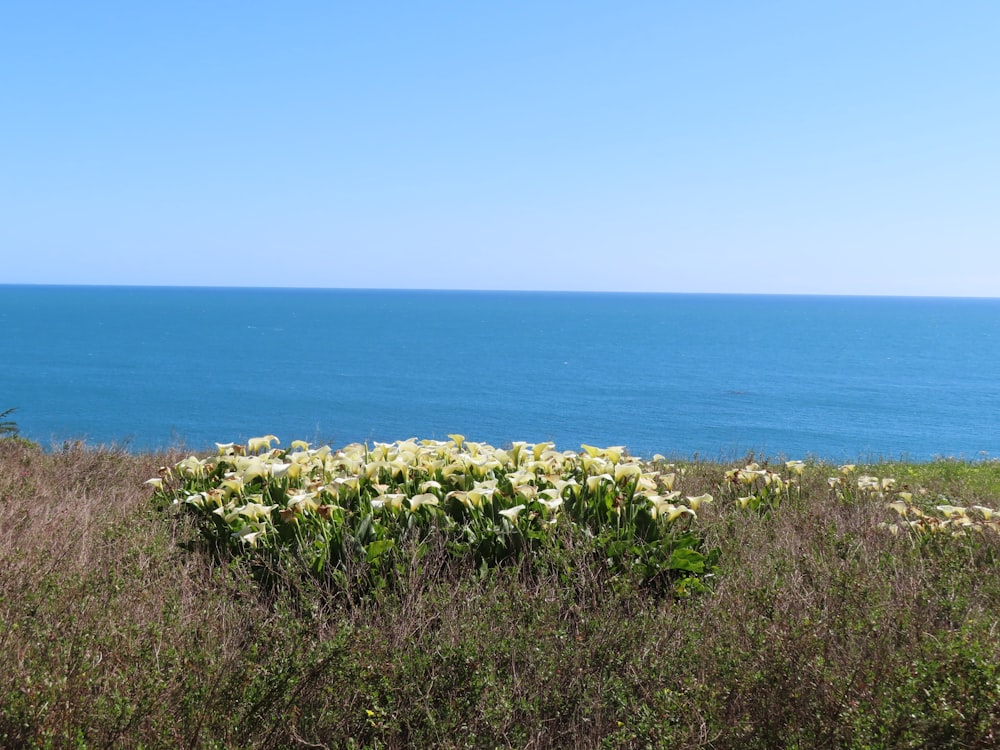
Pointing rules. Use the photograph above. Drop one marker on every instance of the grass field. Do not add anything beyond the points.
(856, 612)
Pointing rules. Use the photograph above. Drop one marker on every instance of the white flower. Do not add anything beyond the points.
(425, 498)
(250, 534)
(695, 502)
(257, 444)
(511, 514)
(796, 467)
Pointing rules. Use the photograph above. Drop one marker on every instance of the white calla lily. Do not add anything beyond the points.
(511, 514)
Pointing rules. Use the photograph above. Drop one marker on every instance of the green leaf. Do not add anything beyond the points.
(687, 559)
(378, 548)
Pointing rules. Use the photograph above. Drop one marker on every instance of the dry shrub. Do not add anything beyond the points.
(822, 630)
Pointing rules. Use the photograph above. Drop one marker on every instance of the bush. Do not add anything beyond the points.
(8, 427)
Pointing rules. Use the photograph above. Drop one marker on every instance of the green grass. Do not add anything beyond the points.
(120, 625)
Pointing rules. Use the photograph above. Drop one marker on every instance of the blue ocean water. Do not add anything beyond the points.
(683, 375)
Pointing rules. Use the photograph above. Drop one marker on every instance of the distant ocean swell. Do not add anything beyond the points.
(713, 375)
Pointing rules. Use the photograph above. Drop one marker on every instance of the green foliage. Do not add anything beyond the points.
(8, 427)
(359, 518)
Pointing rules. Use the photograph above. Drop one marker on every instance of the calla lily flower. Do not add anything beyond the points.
(526, 491)
(866, 482)
(511, 514)
(480, 496)
(695, 502)
(987, 513)
(191, 468)
(255, 469)
(951, 510)
(796, 467)
(303, 501)
(552, 503)
(250, 534)
(255, 511)
(425, 498)
(258, 444)
(627, 471)
(538, 449)
(321, 452)
(515, 451)
(393, 500)
(614, 453)
(679, 511)
(594, 483)
(350, 483)
(280, 469)
(899, 506)
(647, 481)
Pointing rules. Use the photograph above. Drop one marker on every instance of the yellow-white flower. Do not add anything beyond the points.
(899, 506)
(951, 511)
(258, 444)
(866, 482)
(393, 500)
(250, 534)
(255, 511)
(550, 502)
(191, 468)
(679, 511)
(627, 471)
(511, 514)
(424, 498)
(796, 467)
(696, 502)
(594, 483)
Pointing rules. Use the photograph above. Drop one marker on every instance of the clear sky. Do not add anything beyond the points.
(816, 147)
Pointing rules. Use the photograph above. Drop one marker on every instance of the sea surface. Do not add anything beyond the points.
(715, 376)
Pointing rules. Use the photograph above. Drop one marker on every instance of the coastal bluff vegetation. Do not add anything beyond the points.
(447, 593)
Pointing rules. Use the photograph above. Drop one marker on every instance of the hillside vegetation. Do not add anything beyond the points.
(677, 604)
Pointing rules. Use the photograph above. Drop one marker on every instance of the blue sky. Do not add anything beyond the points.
(670, 146)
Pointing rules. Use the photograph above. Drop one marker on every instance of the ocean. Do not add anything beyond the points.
(711, 376)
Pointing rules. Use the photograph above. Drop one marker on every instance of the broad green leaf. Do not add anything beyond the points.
(687, 559)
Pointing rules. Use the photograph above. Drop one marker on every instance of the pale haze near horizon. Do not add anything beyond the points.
(771, 147)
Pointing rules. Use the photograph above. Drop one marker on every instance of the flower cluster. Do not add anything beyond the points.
(954, 520)
(335, 507)
(758, 488)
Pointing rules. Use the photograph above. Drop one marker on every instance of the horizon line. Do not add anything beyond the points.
(887, 295)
